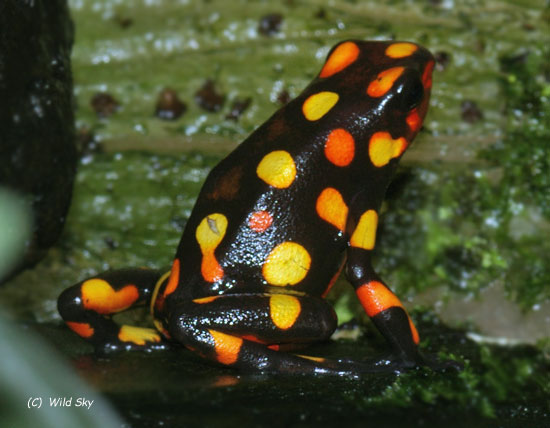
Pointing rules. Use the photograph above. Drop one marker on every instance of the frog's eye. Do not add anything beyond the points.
(411, 94)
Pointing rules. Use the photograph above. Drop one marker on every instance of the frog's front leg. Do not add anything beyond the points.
(87, 308)
(385, 310)
(381, 305)
(248, 331)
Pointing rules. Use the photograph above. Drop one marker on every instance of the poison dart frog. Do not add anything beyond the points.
(276, 222)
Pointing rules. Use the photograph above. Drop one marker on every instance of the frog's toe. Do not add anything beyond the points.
(437, 364)
(392, 363)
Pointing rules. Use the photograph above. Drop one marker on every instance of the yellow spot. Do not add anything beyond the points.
(209, 234)
(340, 58)
(309, 357)
(137, 335)
(158, 325)
(99, 296)
(284, 310)
(287, 264)
(204, 300)
(155, 295)
(401, 50)
(383, 148)
(227, 347)
(364, 234)
(277, 169)
(317, 105)
(331, 207)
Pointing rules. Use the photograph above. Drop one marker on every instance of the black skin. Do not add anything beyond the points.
(233, 188)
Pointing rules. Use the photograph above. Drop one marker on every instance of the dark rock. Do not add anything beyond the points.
(37, 145)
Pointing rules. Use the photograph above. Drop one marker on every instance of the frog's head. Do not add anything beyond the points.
(378, 87)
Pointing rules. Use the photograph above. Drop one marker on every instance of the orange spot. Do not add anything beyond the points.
(427, 75)
(222, 381)
(401, 50)
(83, 329)
(332, 281)
(383, 148)
(160, 327)
(414, 331)
(227, 347)
(340, 147)
(99, 296)
(251, 338)
(340, 58)
(174, 278)
(331, 207)
(414, 121)
(210, 268)
(375, 297)
(204, 300)
(274, 347)
(260, 221)
(384, 81)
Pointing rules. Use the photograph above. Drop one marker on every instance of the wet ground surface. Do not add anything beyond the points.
(498, 387)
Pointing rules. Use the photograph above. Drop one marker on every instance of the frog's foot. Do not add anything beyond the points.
(88, 306)
(131, 338)
(393, 363)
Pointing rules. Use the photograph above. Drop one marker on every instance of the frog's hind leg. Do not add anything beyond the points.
(248, 331)
(87, 308)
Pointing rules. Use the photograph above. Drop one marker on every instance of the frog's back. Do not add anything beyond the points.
(284, 192)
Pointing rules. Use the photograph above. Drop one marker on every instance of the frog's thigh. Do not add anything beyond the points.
(246, 330)
(264, 318)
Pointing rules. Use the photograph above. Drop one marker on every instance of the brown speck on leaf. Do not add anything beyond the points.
(442, 60)
(169, 106)
(237, 108)
(104, 104)
(207, 97)
(270, 24)
(123, 21)
(470, 111)
(321, 13)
